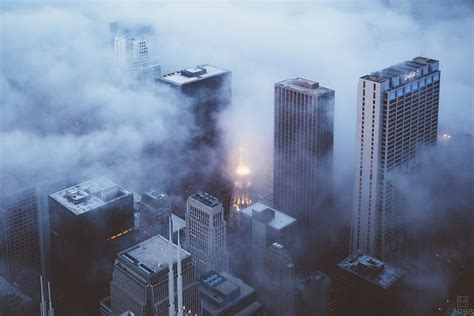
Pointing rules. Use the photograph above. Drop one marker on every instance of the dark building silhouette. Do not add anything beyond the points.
(13, 302)
(90, 223)
(313, 295)
(207, 90)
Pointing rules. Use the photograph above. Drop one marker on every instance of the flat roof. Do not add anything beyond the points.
(279, 221)
(305, 86)
(206, 199)
(193, 74)
(86, 196)
(372, 270)
(151, 255)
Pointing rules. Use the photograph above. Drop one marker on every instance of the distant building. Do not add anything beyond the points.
(222, 294)
(367, 286)
(155, 209)
(241, 194)
(206, 233)
(13, 302)
(266, 226)
(90, 223)
(141, 275)
(303, 151)
(132, 58)
(278, 291)
(262, 184)
(207, 91)
(397, 117)
(313, 295)
(20, 260)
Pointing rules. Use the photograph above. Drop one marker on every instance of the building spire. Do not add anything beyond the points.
(171, 310)
(180, 281)
(51, 309)
(42, 303)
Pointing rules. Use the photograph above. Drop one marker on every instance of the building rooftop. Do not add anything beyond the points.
(304, 86)
(372, 270)
(156, 198)
(193, 74)
(404, 72)
(86, 196)
(151, 256)
(6, 289)
(223, 289)
(206, 198)
(270, 216)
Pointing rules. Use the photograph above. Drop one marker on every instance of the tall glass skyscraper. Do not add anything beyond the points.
(397, 116)
(303, 144)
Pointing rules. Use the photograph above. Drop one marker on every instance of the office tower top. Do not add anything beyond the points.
(314, 294)
(278, 292)
(191, 75)
(241, 194)
(90, 223)
(206, 233)
(154, 209)
(366, 285)
(224, 294)
(303, 145)
(132, 57)
(397, 116)
(140, 279)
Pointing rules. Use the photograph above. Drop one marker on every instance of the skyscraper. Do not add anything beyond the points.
(397, 116)
(132, 57)
(206, 233)
(222, 294)
(241, 194)
(278, 292)
(90, 223)
(141, 284)
(207, 92)
(266, 226)
(13, 302)
(313, 295)
(20, 261)
(303, 144)
(155, 210)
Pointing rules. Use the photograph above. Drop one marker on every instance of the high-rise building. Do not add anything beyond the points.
(155, 210)
(90, 223)
(262, 184)
(207, 92)
(13, 302)
(313, 294)
(241, 194)
(20, 261)
(266, 226)
(278, 291)
(206, 233)
(222, 294)
(397, 116)
(303, 146)
(141, 277)
(132, 57)
(366, 286)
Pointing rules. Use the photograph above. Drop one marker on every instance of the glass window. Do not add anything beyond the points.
(422, 83)
(414, 86)
(391, 95)
(429, 80)
(436, 77)
(399, 93)
(407, 89)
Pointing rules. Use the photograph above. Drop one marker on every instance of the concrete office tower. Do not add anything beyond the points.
(140, 279)
(267, 226)
(397, 116)
(155, 210)
(131, 57)
(207, 91)
(313, 295)
(222, 294)
(90, 223)
(20, 262)
(206, 233)
(13, 302)
(278, 292)
(303, 145)
(366, 286)
(241, 194)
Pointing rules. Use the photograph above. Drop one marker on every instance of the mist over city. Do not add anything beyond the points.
(250, 157)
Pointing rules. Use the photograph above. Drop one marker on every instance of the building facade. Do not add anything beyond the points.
(155, 210)
(241, 194)
(90, 223)
(132, 57)
(313, 295)
(141, 275)
(303, 146)
(206, 233)
(206, 92)
(222, 294)
(13, 302)
(278, 291)
(397, 116)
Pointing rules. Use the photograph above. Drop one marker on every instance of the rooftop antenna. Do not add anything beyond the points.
(51, 309)
(171, 310)
(42, 303)
(180, 281)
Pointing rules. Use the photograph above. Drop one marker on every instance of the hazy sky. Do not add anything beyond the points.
(63, 107)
